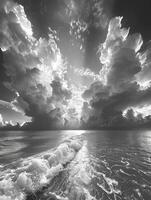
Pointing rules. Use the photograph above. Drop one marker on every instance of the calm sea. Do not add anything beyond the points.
(75, 165)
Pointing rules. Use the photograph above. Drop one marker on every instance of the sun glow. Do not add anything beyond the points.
(73, 109)
(144, 110)
(57, 84)
(18, 10)
(144, 85)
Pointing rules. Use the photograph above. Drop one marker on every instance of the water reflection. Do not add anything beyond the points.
(106, 165)
(15, 145)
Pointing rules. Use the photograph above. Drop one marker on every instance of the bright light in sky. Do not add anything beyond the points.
(18, 10)
(144, 110)
(52, 73)
(144, 84)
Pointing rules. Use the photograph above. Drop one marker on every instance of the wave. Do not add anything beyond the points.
(76, 170)
(67, 172)
(32, 174)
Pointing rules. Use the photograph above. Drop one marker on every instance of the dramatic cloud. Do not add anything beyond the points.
(35, 67)
(91, 71)
(119, 88)
(12, 113)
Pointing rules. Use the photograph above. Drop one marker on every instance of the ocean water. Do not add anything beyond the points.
(75, 165)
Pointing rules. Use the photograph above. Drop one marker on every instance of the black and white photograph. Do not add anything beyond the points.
(75, 99)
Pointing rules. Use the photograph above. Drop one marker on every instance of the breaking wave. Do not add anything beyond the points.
(78, 170)
(32, 174)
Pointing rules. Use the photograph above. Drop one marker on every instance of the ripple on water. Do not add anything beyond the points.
(73, 171)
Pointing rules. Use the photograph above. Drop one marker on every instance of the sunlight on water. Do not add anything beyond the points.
(33, 173)
(85, 165)
(70, 133)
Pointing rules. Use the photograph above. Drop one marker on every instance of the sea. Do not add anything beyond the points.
(75, 165)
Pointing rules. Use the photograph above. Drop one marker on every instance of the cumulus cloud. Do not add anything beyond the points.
(119, 57)
(9, 105)
(12, 113)
(119, 89)
(40, 78)
(35, 67)
(144, 76)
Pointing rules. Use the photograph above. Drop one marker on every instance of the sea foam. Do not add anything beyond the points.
(31, 174)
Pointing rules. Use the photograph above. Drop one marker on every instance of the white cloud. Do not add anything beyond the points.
(119, 55)
(33, 65)
(1, 121)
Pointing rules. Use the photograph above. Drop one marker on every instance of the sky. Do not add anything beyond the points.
(75, 64)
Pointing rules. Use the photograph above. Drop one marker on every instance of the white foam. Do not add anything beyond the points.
(34, 172)
(24, 181)
(80, 175)
(112, 184)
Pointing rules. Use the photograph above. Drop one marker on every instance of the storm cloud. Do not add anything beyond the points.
(119, 87)
(82, 69)
(35, 68)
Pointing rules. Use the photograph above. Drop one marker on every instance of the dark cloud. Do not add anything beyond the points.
(5, 93)
(96, 89)
(42, 46)
(119, 101)
(11, 113)
(35, 69)
(119, 88)
(58, 93)
(80, 26)
(42, 120)
(108, 112)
